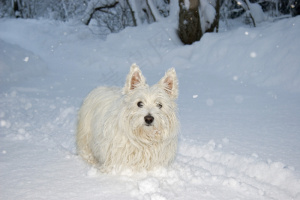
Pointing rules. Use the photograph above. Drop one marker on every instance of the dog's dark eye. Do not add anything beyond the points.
(140, 104)
(159, 105)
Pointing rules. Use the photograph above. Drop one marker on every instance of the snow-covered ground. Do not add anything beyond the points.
(239, 108)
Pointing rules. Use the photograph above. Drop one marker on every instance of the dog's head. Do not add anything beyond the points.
(150, 112)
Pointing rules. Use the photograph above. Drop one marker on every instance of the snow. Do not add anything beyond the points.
(186, 4)
(239, 110)
(208, 13)
(257, 12)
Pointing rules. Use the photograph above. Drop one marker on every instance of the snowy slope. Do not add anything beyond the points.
(239, 110)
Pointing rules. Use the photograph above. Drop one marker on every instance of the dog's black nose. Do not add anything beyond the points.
(149, 119)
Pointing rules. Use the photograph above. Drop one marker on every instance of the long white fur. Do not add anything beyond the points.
(112, 133)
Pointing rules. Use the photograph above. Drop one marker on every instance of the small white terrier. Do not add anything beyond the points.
(131, 128)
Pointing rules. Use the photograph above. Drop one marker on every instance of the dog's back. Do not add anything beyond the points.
(97, 103)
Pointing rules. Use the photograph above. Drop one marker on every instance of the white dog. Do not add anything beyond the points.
(131, 128)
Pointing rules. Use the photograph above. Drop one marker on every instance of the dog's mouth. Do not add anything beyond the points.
(148, 124)
(148, 133)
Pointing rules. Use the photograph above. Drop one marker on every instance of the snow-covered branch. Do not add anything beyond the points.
(94, 5)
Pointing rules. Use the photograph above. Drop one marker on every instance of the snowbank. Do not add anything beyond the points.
(17, 64)
(265, 57)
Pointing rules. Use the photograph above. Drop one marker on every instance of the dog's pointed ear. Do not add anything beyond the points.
(134, 79)
(170, 83)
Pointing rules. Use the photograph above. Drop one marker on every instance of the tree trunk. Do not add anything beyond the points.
(189, 29)
(150, 12)
(132, 13)
(153, 9)
(250, 14)
(215, 24)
